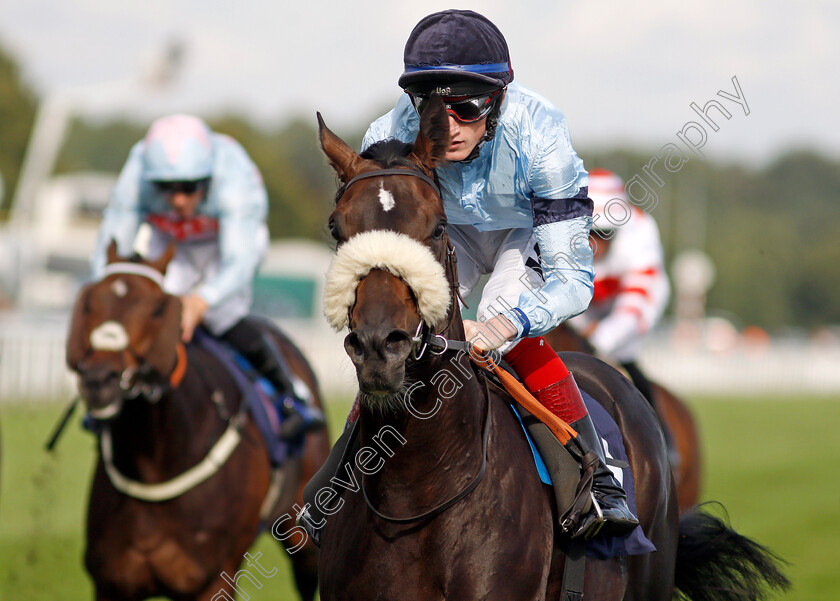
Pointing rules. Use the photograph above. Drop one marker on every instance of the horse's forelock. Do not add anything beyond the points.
(390, 153)
(386, 154)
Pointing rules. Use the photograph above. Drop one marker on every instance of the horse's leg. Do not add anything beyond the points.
(219, 589)
(305, 568)
(651, 576)
(100, 595)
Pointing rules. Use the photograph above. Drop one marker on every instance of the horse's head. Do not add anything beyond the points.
(389, 277)
(124, 333)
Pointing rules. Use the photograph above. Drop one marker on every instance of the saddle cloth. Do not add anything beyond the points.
(602, 547)
(259, 395)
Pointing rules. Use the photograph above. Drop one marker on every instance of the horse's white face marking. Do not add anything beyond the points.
(386, 199)
(119, 288)
(110, 336)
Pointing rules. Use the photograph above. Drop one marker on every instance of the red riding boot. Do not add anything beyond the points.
(547, 378)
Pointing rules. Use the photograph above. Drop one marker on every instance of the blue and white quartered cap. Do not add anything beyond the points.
(178, 148)
(456, 46)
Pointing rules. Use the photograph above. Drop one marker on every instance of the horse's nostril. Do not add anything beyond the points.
(398, 343)
(353, 346)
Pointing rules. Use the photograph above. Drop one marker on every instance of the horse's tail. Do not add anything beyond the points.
(715, 563)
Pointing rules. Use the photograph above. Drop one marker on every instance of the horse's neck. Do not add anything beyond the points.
(156, 441)
(440, 423)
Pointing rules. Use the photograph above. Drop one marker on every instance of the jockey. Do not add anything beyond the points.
(631, 287)
(514, 191)
(200, 190)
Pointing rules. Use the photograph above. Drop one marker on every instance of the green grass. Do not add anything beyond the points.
(771, 462)
(43, 501)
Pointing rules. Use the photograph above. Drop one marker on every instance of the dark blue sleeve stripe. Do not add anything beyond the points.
(548, 210)
(523, 319)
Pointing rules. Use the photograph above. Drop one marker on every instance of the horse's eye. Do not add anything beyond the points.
(439, 231)
(334, 231)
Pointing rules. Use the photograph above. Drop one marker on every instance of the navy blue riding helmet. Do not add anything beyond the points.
(458, 50)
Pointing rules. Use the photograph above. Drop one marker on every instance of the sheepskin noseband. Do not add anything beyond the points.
(402, 256)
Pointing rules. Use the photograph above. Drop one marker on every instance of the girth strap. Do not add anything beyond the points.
(574, 572)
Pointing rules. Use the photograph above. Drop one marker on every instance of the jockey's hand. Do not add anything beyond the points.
(192, 312)
(491, 334)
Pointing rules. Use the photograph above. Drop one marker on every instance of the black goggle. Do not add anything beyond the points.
(467, 109)
(183, 187)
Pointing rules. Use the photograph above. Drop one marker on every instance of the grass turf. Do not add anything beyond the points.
(769, 461)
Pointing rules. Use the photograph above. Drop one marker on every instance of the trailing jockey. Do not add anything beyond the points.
(201, 191)
(631, 286)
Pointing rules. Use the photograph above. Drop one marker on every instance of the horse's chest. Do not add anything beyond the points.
(451, 559)
(140, 549)
(167, 566)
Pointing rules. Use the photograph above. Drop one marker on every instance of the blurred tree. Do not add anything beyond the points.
(17, 113)
(296, 175)
(102, 147)
(771, 231)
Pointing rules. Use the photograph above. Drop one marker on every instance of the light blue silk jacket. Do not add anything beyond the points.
(527, 176)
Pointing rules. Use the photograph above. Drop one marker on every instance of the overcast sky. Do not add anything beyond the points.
(622, 72)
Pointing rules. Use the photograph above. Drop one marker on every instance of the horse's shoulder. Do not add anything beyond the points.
(501, 403)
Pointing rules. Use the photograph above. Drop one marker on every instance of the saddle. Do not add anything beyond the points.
(258, 394)
(561, 471)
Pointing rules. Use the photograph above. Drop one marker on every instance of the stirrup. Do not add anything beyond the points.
(300, 419)
(591, 530)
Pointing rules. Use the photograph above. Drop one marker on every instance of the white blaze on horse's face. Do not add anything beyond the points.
(386, 199)
(109, 336)
(119, 288)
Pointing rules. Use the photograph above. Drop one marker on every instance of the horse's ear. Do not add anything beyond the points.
(343, 159)
(433, 140)
(162, 261)
(77, 338)
(113, 256)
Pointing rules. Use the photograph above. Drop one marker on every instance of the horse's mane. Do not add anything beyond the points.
(387, 153)
(390, 153)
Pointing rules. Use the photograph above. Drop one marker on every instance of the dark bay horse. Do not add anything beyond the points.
(675, 416)
(442, 500)
(183, 473)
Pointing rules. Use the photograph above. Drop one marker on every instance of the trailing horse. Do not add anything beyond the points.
(183, 480)
(674, 415)
(442, 500)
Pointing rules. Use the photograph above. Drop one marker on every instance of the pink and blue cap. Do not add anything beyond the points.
(178, 148)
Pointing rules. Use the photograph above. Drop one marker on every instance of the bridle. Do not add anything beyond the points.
(139, 379)
(424, 337)
(390, 171)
